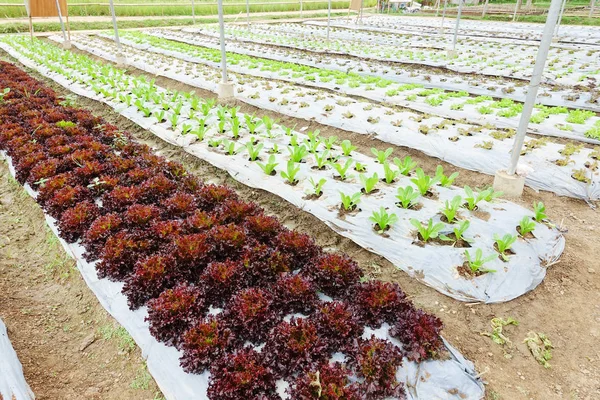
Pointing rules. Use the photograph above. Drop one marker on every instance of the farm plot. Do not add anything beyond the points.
(484, 249)
(510, 60)
(581, 35)
(297, 48)
(12, 381)
(569, 169)
(224, 287)
(578, 123)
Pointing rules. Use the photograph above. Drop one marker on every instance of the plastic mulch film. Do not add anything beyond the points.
(12, 382)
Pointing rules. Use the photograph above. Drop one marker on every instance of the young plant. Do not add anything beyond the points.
(390, 175)
(476, 264)
(268, 123)
(174, 120)
(444, 180)
(349, 202)
(423, 182)
(540, 211)
(451, 208)
(526, 225)
(406, 196)
(383, 220)
(459, 231)
(252, 124)
(330, 142)
(429, 231)
(230, 147)
(200, 131)
(406, 165)
(254, 151)
(342, 170)
(269, 167)
(312, 144)
(317, 187)
(235, 127)
(504, 243)
(382, 155)
(369, 183)
(297, 153)
(472, 198)
(321, 160)
(290, 174)
(347, 147)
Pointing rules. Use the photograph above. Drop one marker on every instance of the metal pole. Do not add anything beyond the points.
(437, 5)
(592, 4)
(515, 12)
(562, 11)
(444, 15)
(460, 3)
(62, 24)
(485, 7)
(301, 9)
(114, 21)
(193, 13)
(534, 84)
(328, 20)
(222, 38)
(248, 12)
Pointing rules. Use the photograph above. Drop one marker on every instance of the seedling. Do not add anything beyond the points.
(459, 231)
(159, 115)
(291, 172)
(342, 170)
(405, 165)
(540, 211)
(406, 196)
(174, 120)
(444, 180)
(383, 220)
(476, 264)
(489, 194)
(321, 160)
(360, 167)
(269, 167)
(200, 131)
(423, 182)
(347, 147)
(235, 127)
(186, 128)
(312, 144)
(429, 231)
(268, 123)
(389, 173)
(504, 243)
(230, 147)
(369, 183)
(451, 208)
(382, 155)
(252, 124)
(317, 186)
(254, 151)
(472, 198)
(288, 131)
(214, 142)
(540, 347)
(330, 142)
(526, 225)
(349, 202)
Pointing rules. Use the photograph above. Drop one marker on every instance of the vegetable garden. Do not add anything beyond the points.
(224, 300)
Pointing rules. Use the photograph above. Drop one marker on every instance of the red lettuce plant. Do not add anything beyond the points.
(121, 197)
(227, 240)
(235, 211)
(377, 302)
(157, 188)
(337, 323)
(295, 294)
(98, 232)
(298, 247)
(262, 264)
(221, 280)
(179, 205)
(165, 231)
(65, 198)
(294, 346)
(121, 252)
(419, 333)
(334, 274)
(328, 382)
(75, 221)
(174, 312)
(151, 276)
(139, 216)
(205, 342)
(376, 361)
(210, 196)
(251, 313)
(242, 375)
(199, 221)
(43, 170)
(190, 250)
(262, 227)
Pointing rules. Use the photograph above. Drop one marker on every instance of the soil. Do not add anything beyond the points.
(565, 306)
(55, 323)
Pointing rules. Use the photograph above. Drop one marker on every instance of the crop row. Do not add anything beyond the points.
(415, 212)
(555, 121)
(214, 271)
(565, 169)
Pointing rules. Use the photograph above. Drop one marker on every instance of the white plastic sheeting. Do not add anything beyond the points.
(433, 265)
(450, 379)
(12, 382)
(544, 173)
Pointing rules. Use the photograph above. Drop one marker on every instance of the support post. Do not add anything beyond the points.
(437, 7)
(66, 42)
(515, 12)
(592, 4)
(301, 17)
(507, 181)
(485, 7)
(193, 12)
(121, 62)
(31, 27)
(452, 53)
(328, 20)
(562, 11)
(225, 88)
(443, 16)
(248, 12)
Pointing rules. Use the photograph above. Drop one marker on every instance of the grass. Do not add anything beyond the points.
(142, 379)
(125, 342)
(17, 27)
(177, 7)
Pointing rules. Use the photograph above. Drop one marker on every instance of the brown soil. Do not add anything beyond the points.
(55, 323)
(565, 306)
(466, 272)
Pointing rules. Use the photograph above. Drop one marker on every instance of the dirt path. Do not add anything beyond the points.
(69, 346)
(565, 307)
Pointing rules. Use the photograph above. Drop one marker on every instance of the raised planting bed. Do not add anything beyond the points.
(386, 205)
(251, 308)
(570, 169)
(12, 382)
